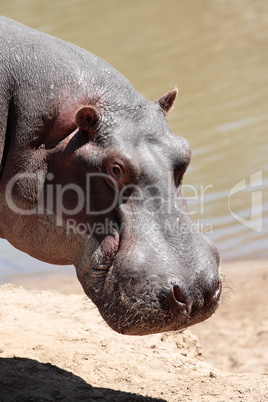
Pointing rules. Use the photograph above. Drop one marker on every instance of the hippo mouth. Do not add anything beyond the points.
(146, 308)
(154, 313)
(134, 299)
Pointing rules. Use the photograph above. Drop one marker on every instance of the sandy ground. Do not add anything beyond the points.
(54, 346)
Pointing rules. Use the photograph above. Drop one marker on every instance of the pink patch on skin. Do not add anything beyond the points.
(109, 246)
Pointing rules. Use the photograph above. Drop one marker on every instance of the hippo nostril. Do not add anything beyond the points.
(218, 290)
(213, 293)
(180, 297)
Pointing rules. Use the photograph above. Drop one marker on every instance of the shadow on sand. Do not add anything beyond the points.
(24, 380)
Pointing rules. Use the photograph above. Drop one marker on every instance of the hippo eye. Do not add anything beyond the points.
(117, 171)
(121, 174)
(118, 175)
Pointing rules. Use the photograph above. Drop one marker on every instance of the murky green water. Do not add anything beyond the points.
(216, 51)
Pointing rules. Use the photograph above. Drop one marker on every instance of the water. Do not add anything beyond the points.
(216, 52)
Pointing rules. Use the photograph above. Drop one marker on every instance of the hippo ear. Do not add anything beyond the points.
(87, 117)
(166, 101)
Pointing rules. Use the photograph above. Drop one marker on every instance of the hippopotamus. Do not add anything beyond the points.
(91, 175)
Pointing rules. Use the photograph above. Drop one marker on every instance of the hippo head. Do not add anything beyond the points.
(108, 198)
(146, 266)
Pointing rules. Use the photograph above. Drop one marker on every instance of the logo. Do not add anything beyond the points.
(254, 187)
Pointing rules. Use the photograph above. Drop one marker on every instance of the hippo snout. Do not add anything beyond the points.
(138, 300)
(154, 283)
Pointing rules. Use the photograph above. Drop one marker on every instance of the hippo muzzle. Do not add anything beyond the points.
(155, 281)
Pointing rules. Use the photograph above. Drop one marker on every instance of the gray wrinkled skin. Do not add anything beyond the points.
(67, 115)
